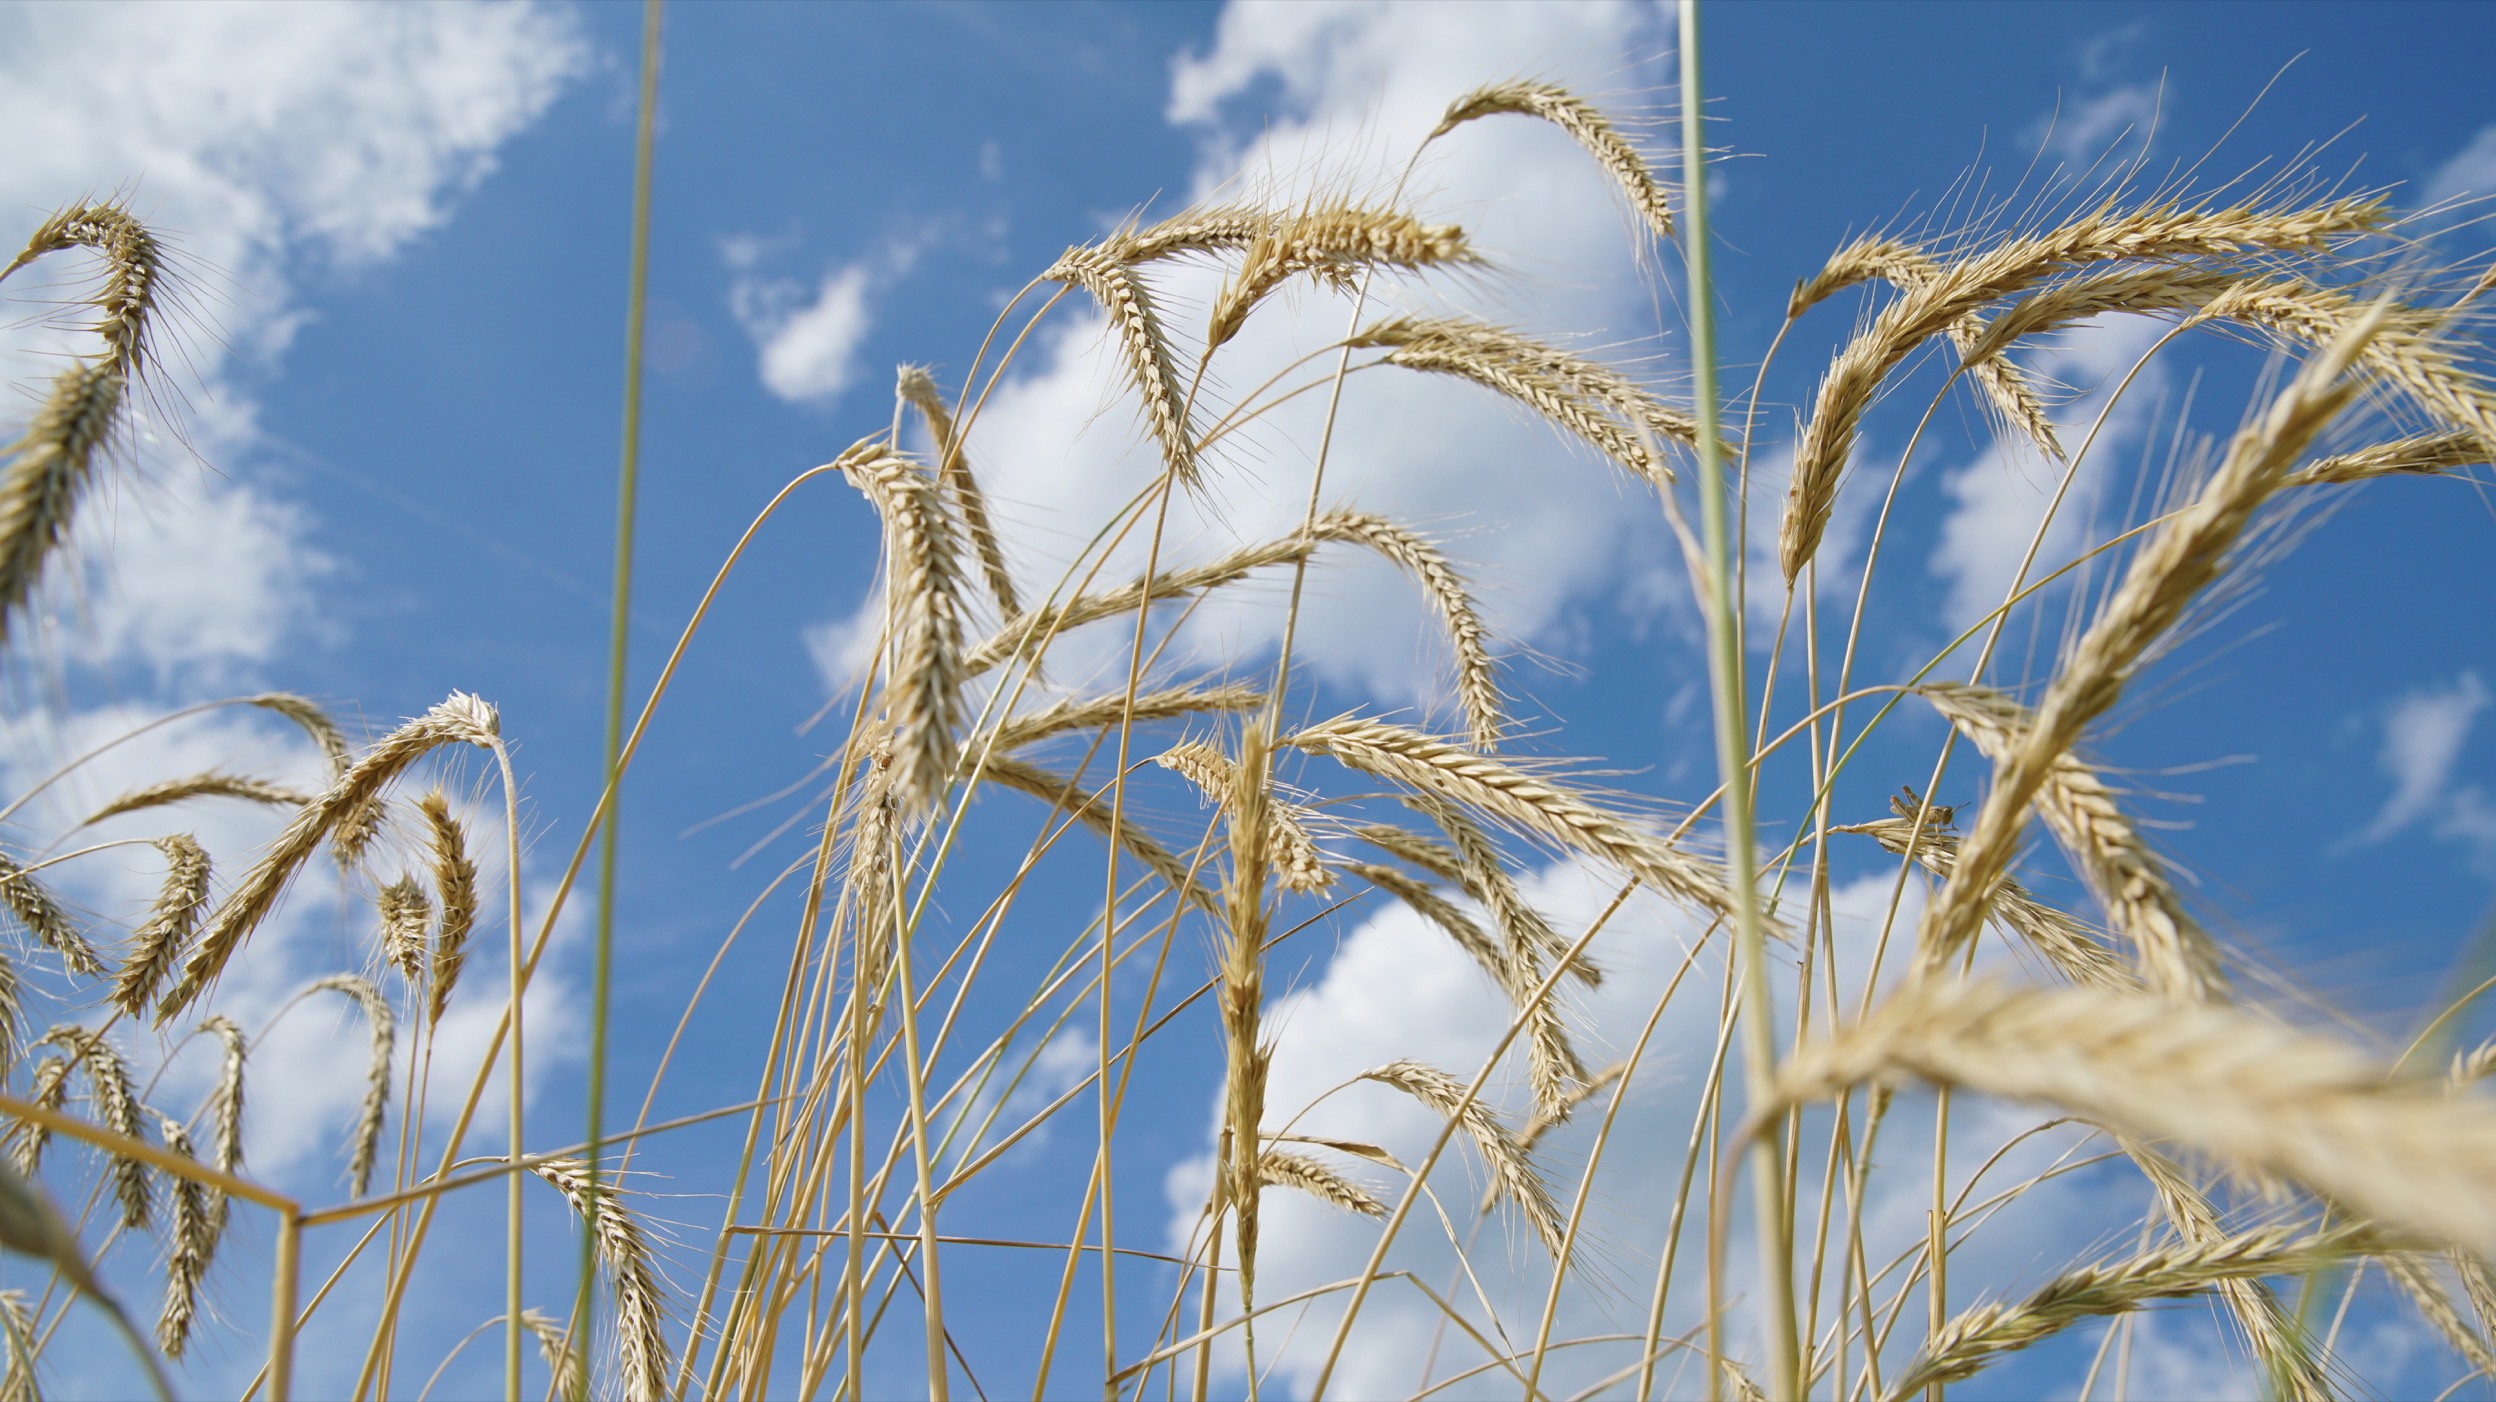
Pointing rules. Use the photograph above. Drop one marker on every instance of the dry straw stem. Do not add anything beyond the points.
(2252, 1096)
(1585, 125)
(1332, 243)
(1086, 808)
(1969, 1341)
(642, 1358)
(1318, 1181)
(1511, 1168)
(134, 276)
(2414, 1273)
(2060, 940)
(2161, 233)
(1529, 804)
(1477, 686)
(43, 918)
(1103, 272)
(48, 469)
(376, 1106)
(455, 881)
(1099, 712)
(108, 1091)
(923, 592)
(170, 923)
(2163, 579)
(405, 917)
(459, 719)
(191, 1242)
(2427, 454)
(209, 785)
(2177, 955)
(953, 472)
(1290, 851)
(1595, 402)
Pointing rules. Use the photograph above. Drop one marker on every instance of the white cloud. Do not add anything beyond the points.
(2424, 734)
(2471, 171)
(2097, 126)
(1541, 529)
(808, 350)
(256, 140)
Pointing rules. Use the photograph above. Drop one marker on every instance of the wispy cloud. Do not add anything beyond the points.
(807, 349)
(2424, 735)
(2470, 171)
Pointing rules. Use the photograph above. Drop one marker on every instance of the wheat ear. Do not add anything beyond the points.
(27, 1140)
(2251, 1095)
(314, 723)
(2164, 577)
(455, 881)
(1964, 1345)
(1307, 1175)
(43, 918)
(108, 1090)
(1439, 911)
(1332, 243)
(1867, 259)
(192, 1240)
(953, 471)
(2178, 956)
(134, 277)
(642, 1358)
(1199, 229)
(923, 589)
(868, 883)
(1246, 1059)
(376, 1106)
(2060, 940)
(47, 472)
(169, 926)
(1106, 275)
(1290, 851)
(405, 917)
(18, 1383)
(1511, 1168)
(2414, 1273)
(2287, 1351)
(460, 719)
(1597, 403)
(554, 1346)
(2161, 233)
(1585, 125)
(1097, 712)
(227, 1102)
(2423, 455)
(208, 785)
(1531, 805)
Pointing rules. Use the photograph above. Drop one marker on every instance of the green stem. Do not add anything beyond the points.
(1759, 1052)
(628, 480)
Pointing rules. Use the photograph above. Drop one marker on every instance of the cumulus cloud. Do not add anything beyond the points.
(2471, 171)
(808, 349)
(2424, 735)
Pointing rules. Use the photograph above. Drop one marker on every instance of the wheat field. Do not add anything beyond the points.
(2028, 993)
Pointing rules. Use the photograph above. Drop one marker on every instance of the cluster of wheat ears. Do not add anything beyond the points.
(2132, 1025)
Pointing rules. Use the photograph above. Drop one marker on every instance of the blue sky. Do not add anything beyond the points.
(407, 240)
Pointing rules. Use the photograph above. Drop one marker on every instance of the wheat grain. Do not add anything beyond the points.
(1207, 229)
(642, 1356)
(1867, 258)
(868, 884)
(1598, 404)
(376, 1105)
(191, 1241)
(1096, 712)
(1105, 274)
(43, 918)
(405, 916)
(47, 472)
(227, 1103)
(1586, 126)
(2406, 346)
(2251, 1095)
(459, 719)
(1529, 804)
(455, 881)
(169, 926)
(1307, 1175)
(1293, 854)
(1427, 853)
(1967, 1342)
(2164, 577)
(2425, 454)
(134, 278)
(954, 473)
(1246, 1060)
(108, 1091)
(316, 724)
(1332, 243)
(2162, 233)
(2179, 957)
(1511, 1168)
(923, 590)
